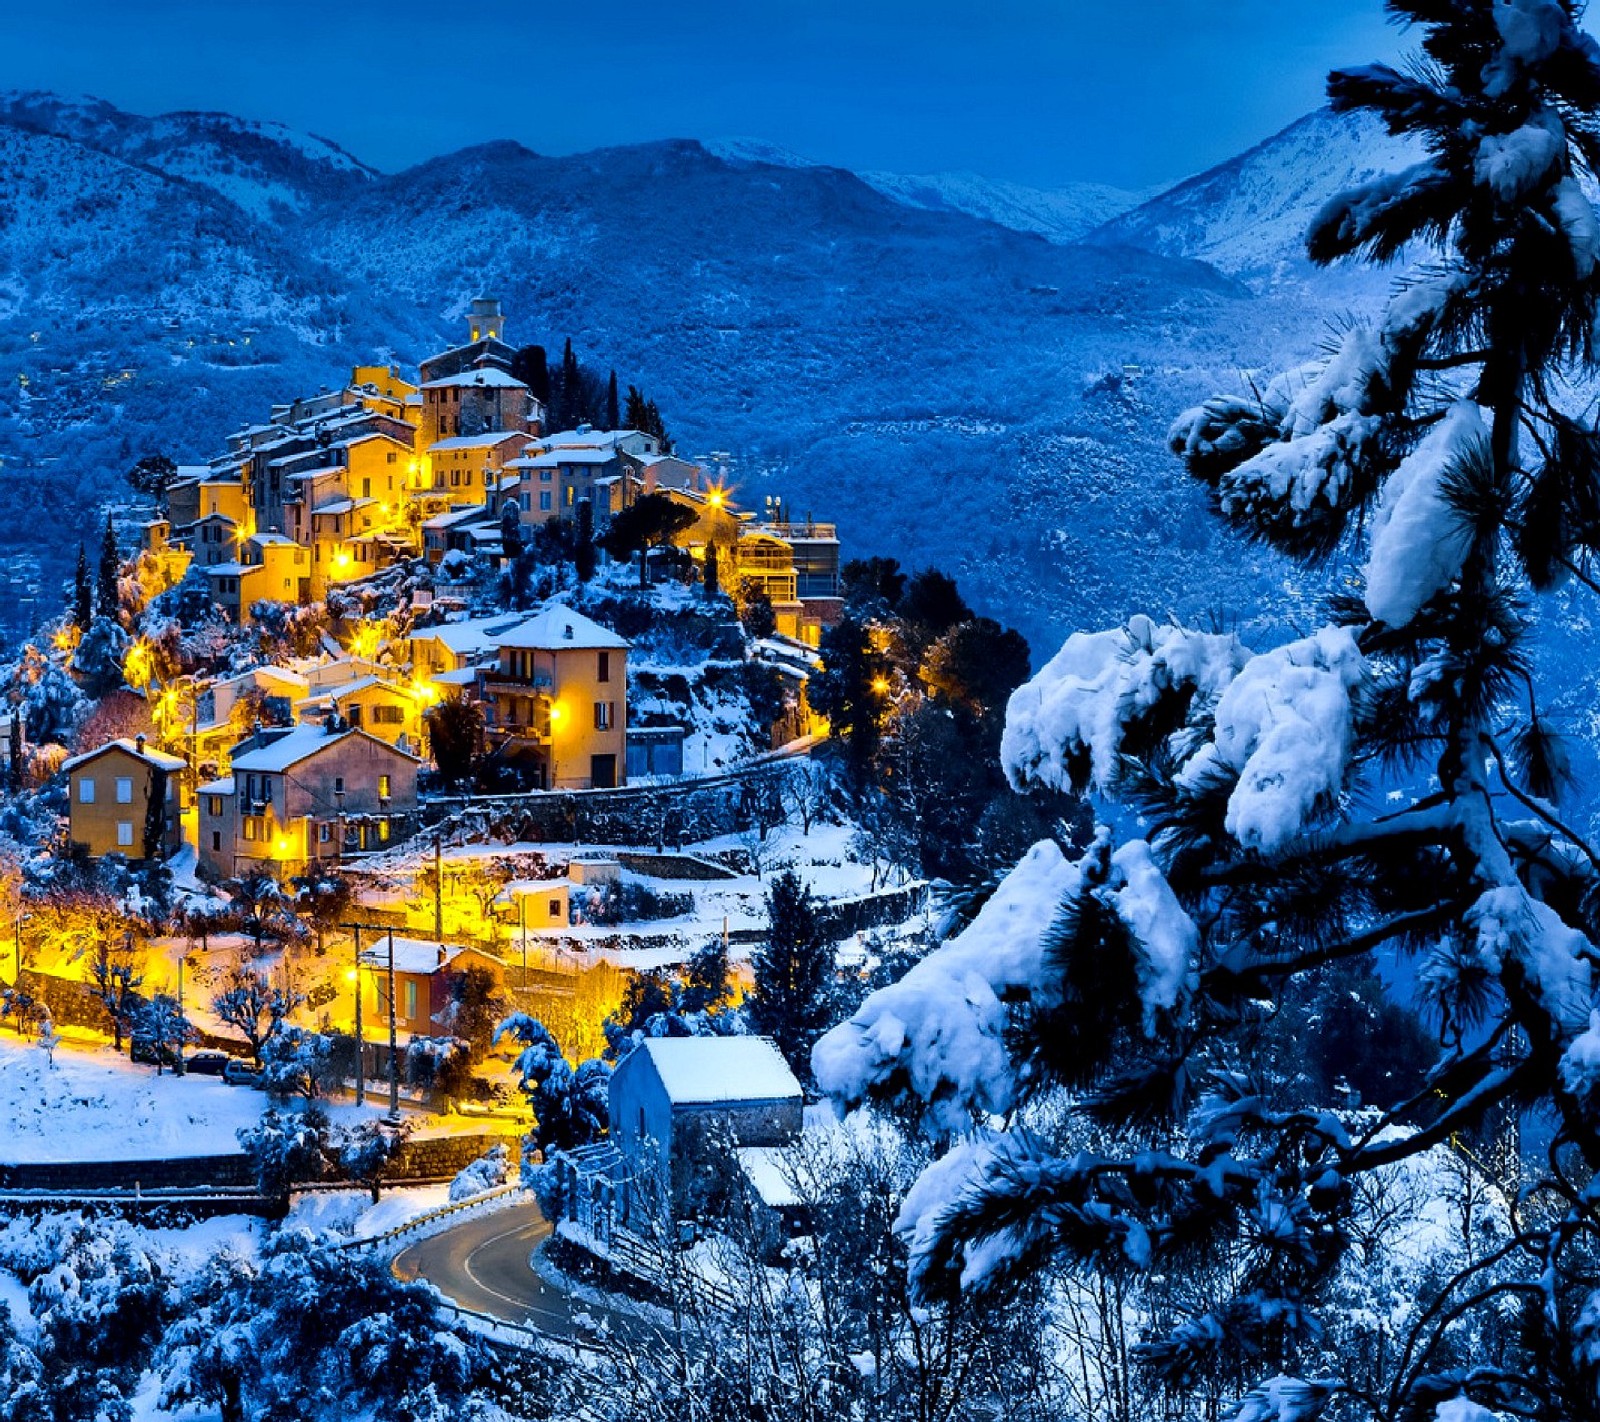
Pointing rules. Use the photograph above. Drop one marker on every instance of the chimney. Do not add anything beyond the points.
(441, 955)
(138, 743)
(567, 632)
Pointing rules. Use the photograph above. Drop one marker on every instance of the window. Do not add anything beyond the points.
(338, 785)
(249, 827)
(391, 461)
(555, 908)
(411, 997)
(124, 789)
(545, 501)
(216, 807)
(124, 833)
(602, 715)
(216, 840)
(383, 831)
(86, 791)
(388, 715)
(604, 672)
(366, 488)
(546, 475)
(383, 787)
(324, 833)
(569, 496)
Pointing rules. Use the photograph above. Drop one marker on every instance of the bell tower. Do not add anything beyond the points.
(484, 320)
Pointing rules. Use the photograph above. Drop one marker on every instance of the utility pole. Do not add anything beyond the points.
(361, 1041)
(394, 1060)
(438, 889)
(522, 913)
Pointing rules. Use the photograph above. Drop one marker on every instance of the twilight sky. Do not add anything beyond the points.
(1129, 92)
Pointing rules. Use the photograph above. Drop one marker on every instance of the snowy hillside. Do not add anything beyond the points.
(1248, 216)
(1063, 215)
(948, 390)
(261, 167)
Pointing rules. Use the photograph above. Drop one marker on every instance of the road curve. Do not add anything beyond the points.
(482, 1264)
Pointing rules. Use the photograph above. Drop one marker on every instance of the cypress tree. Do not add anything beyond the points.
(713, 572)
(569, 397)
(613, 414)
(82, 593)
(106, 599)
(583, 550)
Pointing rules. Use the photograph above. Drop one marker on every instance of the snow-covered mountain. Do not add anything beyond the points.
(1063, 215)
(947, 386)
(1248, 217)
(260, 167)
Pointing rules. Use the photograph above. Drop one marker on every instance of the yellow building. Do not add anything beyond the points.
(123, 799)
(557, 699)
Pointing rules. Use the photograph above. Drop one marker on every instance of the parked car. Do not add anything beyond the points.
(209, 1063)
(237, 1072)
(146, 1051)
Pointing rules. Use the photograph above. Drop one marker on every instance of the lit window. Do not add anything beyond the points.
(411, 997)
(383, 787)
(216, 807)
(124, 833)
(86, 791)
(602, 715)
(124, 790)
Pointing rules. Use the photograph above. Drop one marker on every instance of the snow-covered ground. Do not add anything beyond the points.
(96, 1105)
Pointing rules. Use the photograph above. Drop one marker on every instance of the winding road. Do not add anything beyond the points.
(483, 1265)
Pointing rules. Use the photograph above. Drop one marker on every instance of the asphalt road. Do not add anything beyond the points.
(482, 1264)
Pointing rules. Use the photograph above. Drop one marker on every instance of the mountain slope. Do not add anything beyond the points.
(1063, 215)
(263, 168)
(1248, 216)
(948, 390)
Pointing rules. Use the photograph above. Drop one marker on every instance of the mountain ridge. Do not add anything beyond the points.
(948, 388)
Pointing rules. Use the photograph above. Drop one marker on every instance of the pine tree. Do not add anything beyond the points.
(82, 593)
(1433, 450)
(793, 973)
(584, 556)
(613, 413)
(107, 600)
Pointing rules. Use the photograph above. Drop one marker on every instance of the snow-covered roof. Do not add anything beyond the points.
(301, 475)
(223, 786)
(475, 635)
(559, 628)
(228, 570)
(415, 955)
(478, 441)
(297, 745)
(462, 676)
(485, 375)
(340, 506)
(710, 1071)
(455, 516)
(772, 1172)
(270, 540)
(160, 759)
(530, 888)
(554, 458)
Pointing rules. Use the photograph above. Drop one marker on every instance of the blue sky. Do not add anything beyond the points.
(1129, 92)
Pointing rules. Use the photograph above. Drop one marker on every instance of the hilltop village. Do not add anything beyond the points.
(449, 815)
(414, 755)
